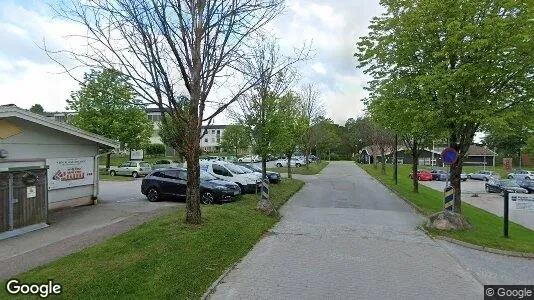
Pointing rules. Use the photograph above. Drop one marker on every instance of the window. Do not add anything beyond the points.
(213, 140)
(218, 132)
(172, 174)
(218, 140)
(158, 174)
(212, 131)
(125, 165)
(205, 141)
(220, 170)
(182, 175)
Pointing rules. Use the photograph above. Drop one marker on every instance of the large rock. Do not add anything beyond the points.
(447, 220)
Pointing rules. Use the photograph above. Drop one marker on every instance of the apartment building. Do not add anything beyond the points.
(210, 141)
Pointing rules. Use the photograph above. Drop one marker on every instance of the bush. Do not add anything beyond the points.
(155, 149)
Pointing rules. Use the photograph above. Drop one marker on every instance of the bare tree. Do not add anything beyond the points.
(274, 75)
(168, 48)
(383, 142)
(312, 106)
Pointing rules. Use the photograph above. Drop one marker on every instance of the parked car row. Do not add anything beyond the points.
(437, 175)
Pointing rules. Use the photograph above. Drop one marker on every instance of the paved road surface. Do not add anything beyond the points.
(346, 237)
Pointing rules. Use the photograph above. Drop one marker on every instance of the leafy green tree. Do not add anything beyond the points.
(37, 108)
(292, 124)
(460, 57)
(235, 137)
(326, 135)
(106, 105)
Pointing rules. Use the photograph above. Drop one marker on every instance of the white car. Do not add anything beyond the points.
(295, 162)
(248, 158)
(131, 168)
(249, 183)
(521, 174)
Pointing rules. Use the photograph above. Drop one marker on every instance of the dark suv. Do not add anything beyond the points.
(172, 183)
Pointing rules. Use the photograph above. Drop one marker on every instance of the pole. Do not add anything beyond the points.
(505, 214)
(432, 162)
(520, 158)
(395, 172)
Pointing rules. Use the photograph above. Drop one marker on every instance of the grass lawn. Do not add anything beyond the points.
(313, 168)
(106, 177)
(487, 227)
(164, 258)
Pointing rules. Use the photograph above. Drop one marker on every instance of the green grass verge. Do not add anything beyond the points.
(164, 258)
(487, 228)
(106, 177)
(313, 169)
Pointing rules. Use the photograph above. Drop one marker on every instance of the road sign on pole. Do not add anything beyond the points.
(449, 156)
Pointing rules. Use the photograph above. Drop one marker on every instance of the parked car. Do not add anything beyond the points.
(313, 158)
(422, 175)
(172, 183)
(131, 168)
(483, 175)
(248, 158)
(249, 183)
(499, 186)
(165, 163)
(442, 175)
(274, 177)
(527, 184)
(295, 162)
(521, 174)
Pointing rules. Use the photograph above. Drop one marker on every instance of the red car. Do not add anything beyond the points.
(423, 175)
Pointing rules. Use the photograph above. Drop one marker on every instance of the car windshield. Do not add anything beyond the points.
(245, 169)
(144, 165)
(254, 168)
(206, 176)
(234, 169)
(509, 183)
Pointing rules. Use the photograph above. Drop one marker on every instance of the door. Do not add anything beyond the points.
(222, 172)
(123, 169)
(173, 185)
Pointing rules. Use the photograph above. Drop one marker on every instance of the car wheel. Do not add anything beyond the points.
(135, 174)
(487, 190)
(279, 165)
(240, 160)
(419, 178)
(468, 176)
(486, 178)
(465, 179)
(207, 198)
(153, 195)
(297, 165)
(112, 173)
(510, 177)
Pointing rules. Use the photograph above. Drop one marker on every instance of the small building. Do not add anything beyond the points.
(44, 165)
(476, 156)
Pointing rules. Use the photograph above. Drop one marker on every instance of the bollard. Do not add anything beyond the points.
(449, 198)
(265, 190)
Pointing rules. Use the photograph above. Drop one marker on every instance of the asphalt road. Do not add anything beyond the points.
(344, 236)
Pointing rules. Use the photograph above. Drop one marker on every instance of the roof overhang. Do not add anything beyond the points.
(16, 112)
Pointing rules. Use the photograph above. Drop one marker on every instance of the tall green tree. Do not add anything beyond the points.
(469, 60)
(37, 108)
(106, 105)
(292, 124)
(235, 137)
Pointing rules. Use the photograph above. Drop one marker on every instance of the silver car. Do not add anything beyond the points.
(483, 175)
(521, 174)
(131, 168)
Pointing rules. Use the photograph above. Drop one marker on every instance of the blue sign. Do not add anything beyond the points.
(449, 156)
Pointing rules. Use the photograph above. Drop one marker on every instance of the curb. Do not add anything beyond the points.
(451, 240)
(216, 283)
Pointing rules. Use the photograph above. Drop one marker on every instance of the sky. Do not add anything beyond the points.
(29, 76)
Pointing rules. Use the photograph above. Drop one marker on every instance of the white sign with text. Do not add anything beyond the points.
(522, 201)
(70, 172)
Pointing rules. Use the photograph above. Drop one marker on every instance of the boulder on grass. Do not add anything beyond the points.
(448, 220)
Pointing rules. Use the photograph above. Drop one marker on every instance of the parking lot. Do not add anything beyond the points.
(473, 192)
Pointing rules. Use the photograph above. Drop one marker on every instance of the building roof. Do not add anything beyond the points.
(214, 126)
(7, 111)
(474, 150)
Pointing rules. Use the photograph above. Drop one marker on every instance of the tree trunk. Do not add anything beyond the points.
(375, 162)
(307, 155)
(236, 152)
(108, 161)
(265, 205)
(415, 163)
(192, 204)
(289, 165)
(263, 167)
(383, 161)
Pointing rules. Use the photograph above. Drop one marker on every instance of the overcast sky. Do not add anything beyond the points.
(28, 76)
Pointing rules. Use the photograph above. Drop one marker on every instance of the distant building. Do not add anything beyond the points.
(210, 142)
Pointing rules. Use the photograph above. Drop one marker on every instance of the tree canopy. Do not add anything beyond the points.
(106, 105)
(235, 137)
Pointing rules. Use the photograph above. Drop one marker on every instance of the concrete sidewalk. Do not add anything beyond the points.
(121, 208)
(344, 236)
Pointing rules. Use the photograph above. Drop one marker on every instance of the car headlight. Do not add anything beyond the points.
(220, 188)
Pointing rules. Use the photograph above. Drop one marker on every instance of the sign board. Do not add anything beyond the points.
(70, 172)
(522, 201)
(449, 156)
(507, 164)
(31, 191)
(137, 155)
